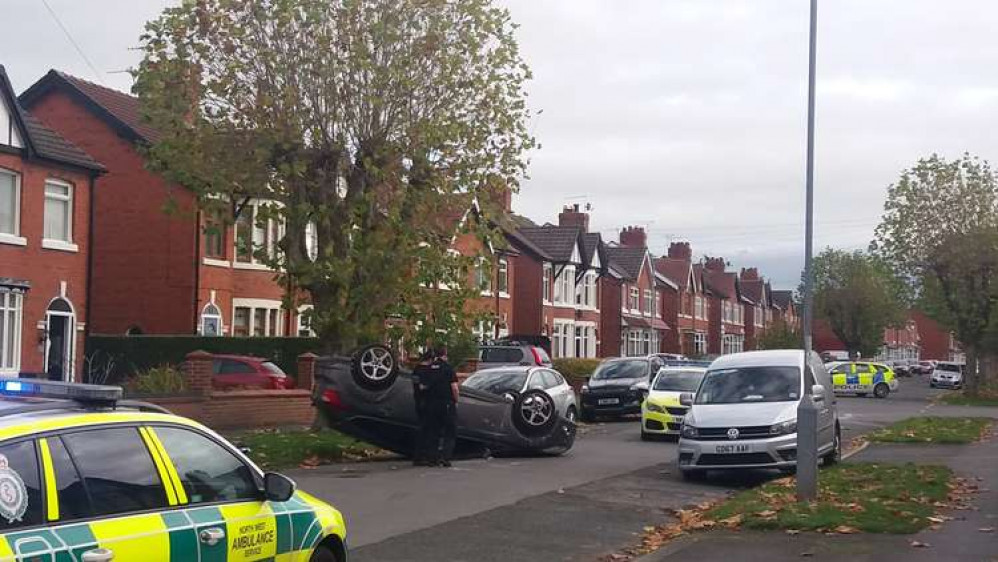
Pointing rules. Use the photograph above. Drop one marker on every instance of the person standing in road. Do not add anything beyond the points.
(420, 379)
(440, 393)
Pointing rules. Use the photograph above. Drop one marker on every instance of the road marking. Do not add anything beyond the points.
(856, 451)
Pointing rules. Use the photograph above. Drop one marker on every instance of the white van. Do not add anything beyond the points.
(744, 413)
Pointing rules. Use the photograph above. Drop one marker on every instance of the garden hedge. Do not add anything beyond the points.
(128, 355)
(576, 368)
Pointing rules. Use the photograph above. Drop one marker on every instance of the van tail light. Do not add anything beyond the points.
(537, 356)
(332, 398)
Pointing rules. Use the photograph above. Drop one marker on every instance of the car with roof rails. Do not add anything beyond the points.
(512, 354)
(368, 395)
(744, 413)
(85, 475)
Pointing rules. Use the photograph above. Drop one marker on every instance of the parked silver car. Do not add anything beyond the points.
(511, 382)
(744, 413)
(947, 375)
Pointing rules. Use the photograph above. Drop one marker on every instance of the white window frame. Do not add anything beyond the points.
(14, 237)
(700, 343)
(563, 342)
(483, 277)
(70, 350)
(66, 245)
(271, 234)
(11, 300)
(253, 305)
(564, 290)
(634, 300)
(303, 328)
(648, 303)
(217, 315)
(502, 278)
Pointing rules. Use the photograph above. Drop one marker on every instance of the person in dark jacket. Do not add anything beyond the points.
(439, 389)
(421, 376)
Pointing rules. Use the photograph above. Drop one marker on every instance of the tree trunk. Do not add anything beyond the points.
(971, 374)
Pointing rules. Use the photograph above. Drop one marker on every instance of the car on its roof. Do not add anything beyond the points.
(369, 396)
(87, 476)
(511, 382)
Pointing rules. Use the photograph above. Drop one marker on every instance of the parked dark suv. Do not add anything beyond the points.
(512, 354)
(618, 387)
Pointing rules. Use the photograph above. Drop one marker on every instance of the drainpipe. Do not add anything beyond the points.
(90, 261)
(197, 269)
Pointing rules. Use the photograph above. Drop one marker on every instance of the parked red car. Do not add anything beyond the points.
(246, 372)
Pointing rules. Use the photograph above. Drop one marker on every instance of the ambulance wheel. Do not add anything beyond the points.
(374, 367)
(881, 390)
(534, 412)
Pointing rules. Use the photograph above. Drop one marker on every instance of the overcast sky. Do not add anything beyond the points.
(686, 117)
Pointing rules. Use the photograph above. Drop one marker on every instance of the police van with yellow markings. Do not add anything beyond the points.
(861, 378)
(86, 476)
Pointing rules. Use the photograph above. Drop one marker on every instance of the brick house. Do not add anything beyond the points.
(758, 308)
(47, 187)
(937, 343)
(784, 307)
(154, 272)
(494, 274)
(687, 306)
(903, 342)
(566, 263)
(726, 332)
(641, 323)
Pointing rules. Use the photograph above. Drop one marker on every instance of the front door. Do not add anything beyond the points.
(57, 353)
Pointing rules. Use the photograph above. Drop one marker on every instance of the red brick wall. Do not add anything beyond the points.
(528, 314)
(143, 258)
(47, 269)
(714, 331)
(501, 305)
(244, 409)
(935, 339)
(750, 328)
(670, 314)
(610, 324)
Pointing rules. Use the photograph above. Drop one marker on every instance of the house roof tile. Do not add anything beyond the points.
(676, 270)
(557, 242)
(627, 259)
(783, 298)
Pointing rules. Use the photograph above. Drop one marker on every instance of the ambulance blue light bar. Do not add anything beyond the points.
(30, 388)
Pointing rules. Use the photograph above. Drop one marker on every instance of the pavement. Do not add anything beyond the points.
(591, 502)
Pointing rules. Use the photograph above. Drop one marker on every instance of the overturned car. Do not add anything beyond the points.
(368, 396)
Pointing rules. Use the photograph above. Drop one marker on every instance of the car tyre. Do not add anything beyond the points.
(881, 390)
(534, 413)
(571, 414)
(374, 367)
(323, 554)
(835, 455)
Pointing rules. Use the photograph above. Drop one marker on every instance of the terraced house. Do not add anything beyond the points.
(159, 273)
(687, 307)
(727, 311)
(642, 328)
(47, 188)
(758, 308)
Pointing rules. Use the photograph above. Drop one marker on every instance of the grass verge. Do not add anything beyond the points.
(277, 449)
(960, 399)
(933, 430)
(852, 498)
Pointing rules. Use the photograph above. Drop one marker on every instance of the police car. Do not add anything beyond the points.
(661, 412)
(89, 477)
(860, 378)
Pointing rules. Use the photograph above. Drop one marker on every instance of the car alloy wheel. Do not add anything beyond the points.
(881, 390)
(534, 412)
(374, 367)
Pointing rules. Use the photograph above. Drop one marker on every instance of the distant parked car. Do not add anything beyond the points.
(947, 375)
(245, 371)
(901, 367)
(670, 356)
(511, 382)
(618, 387)
(490, 356)
(924, 367)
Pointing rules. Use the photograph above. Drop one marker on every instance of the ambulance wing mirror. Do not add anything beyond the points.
(278, 487)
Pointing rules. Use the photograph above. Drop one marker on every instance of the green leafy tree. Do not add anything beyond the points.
(781, 335)
(859, 296)
(365, 127)
(940, 229)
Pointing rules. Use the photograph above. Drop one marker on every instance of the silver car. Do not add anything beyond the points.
(744, 413)
(513, 381)
(947, 375)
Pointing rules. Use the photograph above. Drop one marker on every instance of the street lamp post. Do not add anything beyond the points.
(807, 411)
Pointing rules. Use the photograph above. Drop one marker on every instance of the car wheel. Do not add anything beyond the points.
(374, 367)
(881, 390)
(571, 414)
(323, 554)
(835, 455)
(534, 412)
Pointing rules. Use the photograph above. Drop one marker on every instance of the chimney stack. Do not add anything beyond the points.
(573, 216)
(750, 274)
(715, 264)
(681, 251)
(634, 237)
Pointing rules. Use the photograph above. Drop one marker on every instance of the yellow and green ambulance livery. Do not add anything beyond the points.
(86, 477)
(860, 378)
(661, 412)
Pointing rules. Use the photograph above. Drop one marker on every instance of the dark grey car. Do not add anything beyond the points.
(618, 387)
(369, 397)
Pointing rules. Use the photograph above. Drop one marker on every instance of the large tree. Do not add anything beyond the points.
(859, 296)
(366, 128)
(940, 229)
